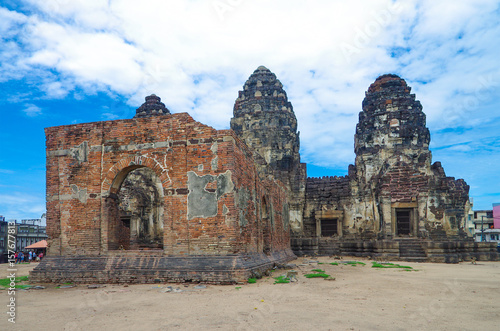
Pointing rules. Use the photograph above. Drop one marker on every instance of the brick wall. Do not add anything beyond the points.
(86, 164)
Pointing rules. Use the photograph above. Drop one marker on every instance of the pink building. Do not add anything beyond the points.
(496, 215)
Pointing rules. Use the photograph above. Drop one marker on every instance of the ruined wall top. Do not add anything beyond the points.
(391, 118)
(152, 107)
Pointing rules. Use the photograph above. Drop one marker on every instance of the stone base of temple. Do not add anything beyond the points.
(412, 250)
(154, 267)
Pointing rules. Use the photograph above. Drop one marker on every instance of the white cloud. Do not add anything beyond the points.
(196, 55)
(32, 110)
(109, 116)
(20, 205)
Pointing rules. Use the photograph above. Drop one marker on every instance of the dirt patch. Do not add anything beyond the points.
(436, 296)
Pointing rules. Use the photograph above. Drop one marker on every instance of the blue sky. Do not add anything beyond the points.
(75, 61)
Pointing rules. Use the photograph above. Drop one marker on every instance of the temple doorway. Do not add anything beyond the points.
(403, 221)
(136, 211)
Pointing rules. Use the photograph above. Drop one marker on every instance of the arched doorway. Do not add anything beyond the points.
(135, 210)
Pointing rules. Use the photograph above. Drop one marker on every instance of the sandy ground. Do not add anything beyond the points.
(436, 297)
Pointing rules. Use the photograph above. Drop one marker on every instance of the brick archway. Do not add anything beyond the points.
(119, 171)
(124, 231)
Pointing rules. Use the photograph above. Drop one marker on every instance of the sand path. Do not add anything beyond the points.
(436, 297)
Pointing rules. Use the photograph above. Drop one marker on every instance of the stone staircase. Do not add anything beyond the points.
(411, 251)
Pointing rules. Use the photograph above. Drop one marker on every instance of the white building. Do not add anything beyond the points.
(484, 228)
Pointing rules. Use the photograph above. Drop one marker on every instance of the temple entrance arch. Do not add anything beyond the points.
(134, 210)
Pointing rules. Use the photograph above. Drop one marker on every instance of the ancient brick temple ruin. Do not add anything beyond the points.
(394, 202)
(161, 197)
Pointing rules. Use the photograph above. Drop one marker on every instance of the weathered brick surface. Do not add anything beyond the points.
(148, 267)
(88, 163)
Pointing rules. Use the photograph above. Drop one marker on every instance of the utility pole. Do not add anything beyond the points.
(482, 228)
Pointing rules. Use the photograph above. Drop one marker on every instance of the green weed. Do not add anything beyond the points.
(318, 275)
(252, 280)
(389, 265)
(318, 270)
(281, 280)
(354, 263)
(5, 282)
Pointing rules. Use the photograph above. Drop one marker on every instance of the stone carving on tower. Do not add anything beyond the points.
(264, 119)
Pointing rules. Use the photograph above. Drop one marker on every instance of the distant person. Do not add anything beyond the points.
(34, 256)
(16, 256)
(30, 256)
(21, 257)
(40, 256)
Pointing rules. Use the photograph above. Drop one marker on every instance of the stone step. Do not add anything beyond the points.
(424, 257)
(411, 249)
(415, 259)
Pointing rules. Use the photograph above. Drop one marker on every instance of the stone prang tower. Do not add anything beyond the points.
(394, 171)
(265, 121)
(393, 191)
(392, 124)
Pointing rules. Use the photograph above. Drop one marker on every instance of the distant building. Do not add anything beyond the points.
(29, 231)
(484, 227)
(496, 215)
(3, 238)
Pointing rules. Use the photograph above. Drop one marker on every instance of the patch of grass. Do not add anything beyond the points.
(320, 263)
(334, 263)
(5, 282)
(390, 265)
(354, 263)
(318, 275)
(318, 270)
(281, 280)
(237, 287)
(252, 280)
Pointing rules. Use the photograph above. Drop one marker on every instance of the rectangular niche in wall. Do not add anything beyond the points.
(403, 217)
(329, 227)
